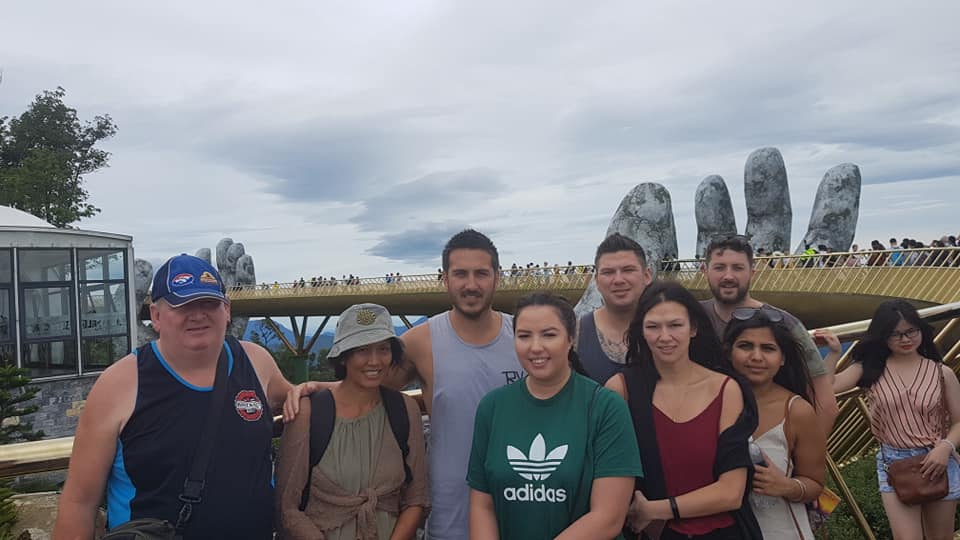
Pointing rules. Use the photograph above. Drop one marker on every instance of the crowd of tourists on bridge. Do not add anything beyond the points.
(906, 252)
(652, 416)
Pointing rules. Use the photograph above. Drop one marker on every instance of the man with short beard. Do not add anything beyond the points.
(621, 277)
(729, 270)
(459, 356)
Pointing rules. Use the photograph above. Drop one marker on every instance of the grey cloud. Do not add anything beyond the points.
(422, 245)
(450, 192)
(918, 171)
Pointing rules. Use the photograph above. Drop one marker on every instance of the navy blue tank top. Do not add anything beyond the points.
(597, 364)
(156, 447)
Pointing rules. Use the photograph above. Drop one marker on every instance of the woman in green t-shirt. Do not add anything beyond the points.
(554, 455)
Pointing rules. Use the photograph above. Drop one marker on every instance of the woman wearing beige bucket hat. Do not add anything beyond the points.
(352, 465)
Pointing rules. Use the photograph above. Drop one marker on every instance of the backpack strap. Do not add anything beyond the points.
(396, 408)
(323, 415)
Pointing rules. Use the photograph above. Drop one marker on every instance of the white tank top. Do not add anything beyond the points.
(774, 513)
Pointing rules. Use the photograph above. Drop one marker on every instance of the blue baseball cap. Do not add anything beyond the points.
(185, 278)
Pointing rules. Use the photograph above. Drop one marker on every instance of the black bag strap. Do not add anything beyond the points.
(323, 414)
(192, 492)
(400, 425)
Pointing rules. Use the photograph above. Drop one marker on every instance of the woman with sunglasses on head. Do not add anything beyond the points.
(692, 419)
(553, 454)
(914, 405)
(788, 447)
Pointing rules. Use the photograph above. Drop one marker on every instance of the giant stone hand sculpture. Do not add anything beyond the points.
(646, 216)
(142, 279)
(235, 267)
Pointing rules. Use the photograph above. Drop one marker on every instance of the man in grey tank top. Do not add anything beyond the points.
(459, 356)
(621, 276)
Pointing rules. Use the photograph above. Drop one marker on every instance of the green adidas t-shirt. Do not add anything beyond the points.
(529, 454)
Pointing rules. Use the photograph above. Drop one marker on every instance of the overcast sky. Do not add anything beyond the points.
(356, 137)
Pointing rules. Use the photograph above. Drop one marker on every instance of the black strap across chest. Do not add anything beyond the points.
(323, 416)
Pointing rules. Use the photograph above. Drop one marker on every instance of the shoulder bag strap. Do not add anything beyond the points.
(944, 411)
(193, 485)
(794, 518)
(789, 471)
(787, 432)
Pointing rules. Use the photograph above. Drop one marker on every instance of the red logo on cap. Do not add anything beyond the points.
(248, 405)
(180, 280)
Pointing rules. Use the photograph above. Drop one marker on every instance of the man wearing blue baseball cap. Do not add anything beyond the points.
(139, 432)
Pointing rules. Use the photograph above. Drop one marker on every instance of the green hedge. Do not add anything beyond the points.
(861, 478)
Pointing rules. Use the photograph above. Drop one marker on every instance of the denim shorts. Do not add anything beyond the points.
(893, 454)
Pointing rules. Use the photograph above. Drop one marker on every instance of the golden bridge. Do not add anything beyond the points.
(802, 284)
(823, 290)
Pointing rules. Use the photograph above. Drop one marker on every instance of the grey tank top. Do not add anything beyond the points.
(462, 375)
(597, 364)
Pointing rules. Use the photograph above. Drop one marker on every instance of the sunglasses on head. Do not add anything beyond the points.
(747, 313)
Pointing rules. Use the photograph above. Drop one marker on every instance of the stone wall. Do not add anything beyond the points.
(60, 405)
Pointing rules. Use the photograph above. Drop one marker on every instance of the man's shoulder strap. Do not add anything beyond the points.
(396, 409)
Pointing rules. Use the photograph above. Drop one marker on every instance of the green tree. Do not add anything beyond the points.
(321, 370)
(14, 393)
(44, 155)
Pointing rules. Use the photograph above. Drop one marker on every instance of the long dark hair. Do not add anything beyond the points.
(704, 346)
(872, 350)
(564, 312)
(793, 375)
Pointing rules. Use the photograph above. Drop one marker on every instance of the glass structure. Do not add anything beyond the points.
(66, 305)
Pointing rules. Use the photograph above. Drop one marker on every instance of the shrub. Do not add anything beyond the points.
(861, 478)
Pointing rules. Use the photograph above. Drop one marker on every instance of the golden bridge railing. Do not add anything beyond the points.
(572, 277)
(931, 275)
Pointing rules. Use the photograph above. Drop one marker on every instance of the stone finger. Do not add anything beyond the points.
(226, 270)
(836, 209)
(767, 196)
(203, 253)
(714, 212)
(142, 279)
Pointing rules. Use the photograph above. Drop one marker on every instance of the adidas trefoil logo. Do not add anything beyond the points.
(537, 464)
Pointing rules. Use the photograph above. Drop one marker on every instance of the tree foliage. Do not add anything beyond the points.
(44, 155)
(14, 393)
(313, 366)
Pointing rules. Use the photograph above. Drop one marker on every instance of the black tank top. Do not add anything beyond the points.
(156, 447)
(597, 364)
